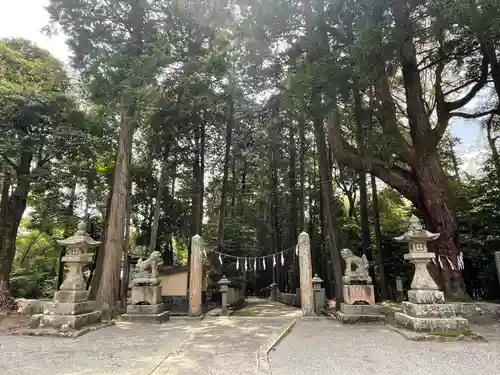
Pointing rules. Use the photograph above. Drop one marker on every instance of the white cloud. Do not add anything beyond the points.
(25, 19)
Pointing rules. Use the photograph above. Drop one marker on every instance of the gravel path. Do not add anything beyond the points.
(222, 346)
(124, 349)
(323, 347)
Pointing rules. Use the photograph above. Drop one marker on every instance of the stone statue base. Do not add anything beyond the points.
(146, 305)
(359, 305)
(358, 293)
(426, 312)
(67, 316)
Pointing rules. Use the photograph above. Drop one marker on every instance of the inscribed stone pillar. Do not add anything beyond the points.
(306, 287)
(195, 277)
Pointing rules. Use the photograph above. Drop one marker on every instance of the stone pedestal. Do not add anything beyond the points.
(146, 305)
(359, 305)
(359, 296)
(70, 309)
(425, 310)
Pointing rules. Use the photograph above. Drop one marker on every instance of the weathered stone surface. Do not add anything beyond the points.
(360, 309)
(422, 279)
(196, 277)
(434, 310)
(146, 293)
(67, 308)
(72, 296)
(355, 293)
(305, 269)
(471, 309)
(29, 307)
(354, 318)
(70, 321)
(426, 296)
(455, 324)
(146, 309)
(356, 268)
(146, 272)
(147, 318)
(35, 320)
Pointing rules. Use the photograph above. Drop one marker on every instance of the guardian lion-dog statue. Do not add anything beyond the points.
(147, 270)
(356, 268)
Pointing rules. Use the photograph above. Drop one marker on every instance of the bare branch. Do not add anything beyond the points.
(475, 115)
(483, 79)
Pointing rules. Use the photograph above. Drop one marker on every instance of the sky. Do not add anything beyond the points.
(25, 18)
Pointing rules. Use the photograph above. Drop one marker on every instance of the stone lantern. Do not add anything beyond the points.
(425, 309)
(319, 296)
(70, 308)
(224, 288)
(423, 287)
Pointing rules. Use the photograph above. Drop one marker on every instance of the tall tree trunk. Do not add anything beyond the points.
(109, 287)
(363, 189)
(97, 266)
(16, 205)
(225, 174)
(67, 232)
(159, 199)
(325, 178)
(379, 255)
(302, 199)
(126, 249)
(294, 203)
(434, 200)
(493, 147)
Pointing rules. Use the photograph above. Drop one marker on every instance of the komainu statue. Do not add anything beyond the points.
(146, 271)
(356, 268)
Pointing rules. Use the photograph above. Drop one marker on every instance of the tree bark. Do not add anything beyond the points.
(16, 206)
(325, 178)
(379, 255)
(225, 173)
(108, 291)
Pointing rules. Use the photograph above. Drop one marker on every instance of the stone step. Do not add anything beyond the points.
(357, 318)
(145, 309)
(145, 318)
(360, 309)
(433, 310)
(430, 324)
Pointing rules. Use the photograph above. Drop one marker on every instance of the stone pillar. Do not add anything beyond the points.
(319, 297)
(195, 277)
(224, 288)
(305, 268)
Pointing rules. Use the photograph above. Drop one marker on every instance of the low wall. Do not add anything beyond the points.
(176, 303)
(470, 309)
(235, 295)
(289, 299)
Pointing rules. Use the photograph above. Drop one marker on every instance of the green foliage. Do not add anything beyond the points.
(34, 273)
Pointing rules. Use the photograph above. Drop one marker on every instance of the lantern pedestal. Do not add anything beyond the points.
(425, 310)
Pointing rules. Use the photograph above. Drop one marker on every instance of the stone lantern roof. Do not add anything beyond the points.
(416, 233)
(80, 239)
